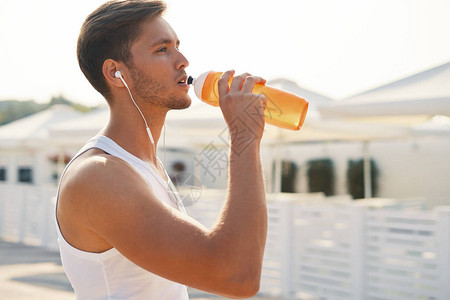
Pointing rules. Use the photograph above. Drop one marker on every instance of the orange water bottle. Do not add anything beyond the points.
(283, 109)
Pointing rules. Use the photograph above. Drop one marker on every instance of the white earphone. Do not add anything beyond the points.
(118, 74)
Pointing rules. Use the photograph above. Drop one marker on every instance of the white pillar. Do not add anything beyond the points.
(443, 250)
(277, 172)
(358, 269)
(367, 171)
(60, 164)
(12, 168)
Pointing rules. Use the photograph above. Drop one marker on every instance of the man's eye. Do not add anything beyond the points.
(163, 49)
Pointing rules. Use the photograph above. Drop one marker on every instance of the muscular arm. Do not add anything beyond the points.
(242, 226)
(105, 199)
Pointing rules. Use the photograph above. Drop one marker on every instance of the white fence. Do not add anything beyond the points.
(338, 249)
(27, 215)
(317, 248)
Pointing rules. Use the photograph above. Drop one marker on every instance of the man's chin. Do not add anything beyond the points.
(181, 103)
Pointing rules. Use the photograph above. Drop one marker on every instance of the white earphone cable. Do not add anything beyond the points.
(164, 141)
(177, 200)
(142, 115)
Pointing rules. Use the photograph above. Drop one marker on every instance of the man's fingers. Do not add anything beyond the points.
(237, 82)
(250, 82)
(223, 83)
(244, 82)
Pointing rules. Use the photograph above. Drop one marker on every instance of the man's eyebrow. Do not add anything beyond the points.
(165, 41)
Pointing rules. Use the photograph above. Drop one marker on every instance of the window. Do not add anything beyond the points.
(25, 174)
(3, 174)
(288, 176)
(321, 176)
(355, 178)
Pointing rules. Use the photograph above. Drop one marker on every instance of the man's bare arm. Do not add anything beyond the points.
(113, 201)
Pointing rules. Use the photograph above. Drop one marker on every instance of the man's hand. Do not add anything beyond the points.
(242, 110)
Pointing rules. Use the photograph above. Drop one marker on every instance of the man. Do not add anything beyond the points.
(122, 235)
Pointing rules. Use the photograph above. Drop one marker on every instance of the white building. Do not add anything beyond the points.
(28, 154)
(409, 151)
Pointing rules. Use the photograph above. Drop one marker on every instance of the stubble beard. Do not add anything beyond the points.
(154, 92)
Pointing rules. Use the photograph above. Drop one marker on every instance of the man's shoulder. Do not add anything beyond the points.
(94, 186)
(94, 170)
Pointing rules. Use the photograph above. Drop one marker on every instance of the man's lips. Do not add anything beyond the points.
(182, 80)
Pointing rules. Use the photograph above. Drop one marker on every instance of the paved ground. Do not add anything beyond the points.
(33, 273)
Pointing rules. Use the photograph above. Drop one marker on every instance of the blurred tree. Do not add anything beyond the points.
(11, 110)
(63, 100)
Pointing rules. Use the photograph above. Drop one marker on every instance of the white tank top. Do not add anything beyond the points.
(110, 275)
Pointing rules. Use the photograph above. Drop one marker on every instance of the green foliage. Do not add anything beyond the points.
(321, 176)
(355, 178)
(62, 100)
(59, 100)
(11, 110)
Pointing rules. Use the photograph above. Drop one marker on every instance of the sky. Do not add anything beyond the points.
(335, 48)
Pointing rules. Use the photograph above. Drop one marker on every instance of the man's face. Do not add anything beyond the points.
(158, 72)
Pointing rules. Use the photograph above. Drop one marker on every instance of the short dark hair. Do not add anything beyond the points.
(108, 32)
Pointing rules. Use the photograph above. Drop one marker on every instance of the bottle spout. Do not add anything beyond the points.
(197, 83)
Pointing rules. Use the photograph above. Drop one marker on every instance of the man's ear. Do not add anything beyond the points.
(109, 69)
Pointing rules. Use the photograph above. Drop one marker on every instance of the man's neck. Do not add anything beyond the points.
(127, 128)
